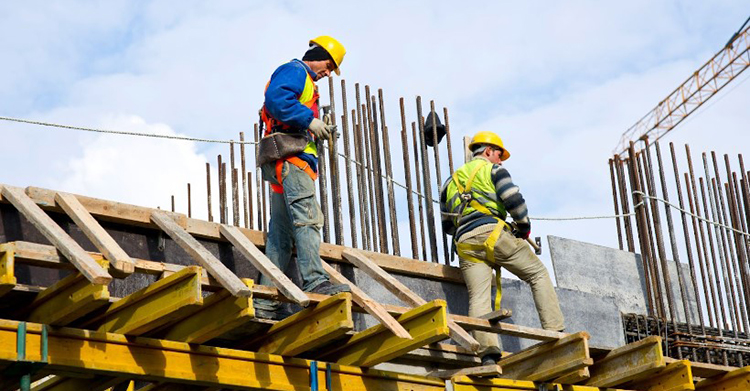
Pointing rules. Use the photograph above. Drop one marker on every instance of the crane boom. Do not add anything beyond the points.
(704, 83)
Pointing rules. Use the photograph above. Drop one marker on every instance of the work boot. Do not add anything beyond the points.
(267, 314)
(326, 288)
(490, 359)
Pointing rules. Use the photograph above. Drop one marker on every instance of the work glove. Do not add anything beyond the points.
(522, 231)
(319, 129)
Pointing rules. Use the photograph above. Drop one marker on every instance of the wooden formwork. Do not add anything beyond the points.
(195, 327)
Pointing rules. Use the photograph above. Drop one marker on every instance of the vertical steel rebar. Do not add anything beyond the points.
(235, 188)
(370, 181)
(686, 234)
(624, 200)
(364, 164)
(700, 247)
(333, 156)
(741, 260)
(244, 179)
(377, 168)
(407, 178)
(348, 166)
(173, 204)
(258, 184)
(438, 175)
(208, 191)
(448, 140)
(615, 203)
(323, 188)
(190, 204)
(638, 209)
(226, 195)
(250, 200)
(361, 184)
(222, 218)
(740, 241)
(649, 235)
(389, 180)
(722, 307)
(417, 169)
(427, 185)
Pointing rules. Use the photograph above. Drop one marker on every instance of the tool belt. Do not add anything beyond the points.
(489, 256)
(280, 145)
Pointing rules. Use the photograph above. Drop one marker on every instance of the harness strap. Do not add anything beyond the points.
(489, 250)
(303, 165)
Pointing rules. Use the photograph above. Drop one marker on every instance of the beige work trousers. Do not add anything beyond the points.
(516, 256)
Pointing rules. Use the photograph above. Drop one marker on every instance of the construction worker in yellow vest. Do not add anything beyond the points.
(474, 203)
(290, 117)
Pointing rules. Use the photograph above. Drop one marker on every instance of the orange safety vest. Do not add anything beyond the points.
(309, 98)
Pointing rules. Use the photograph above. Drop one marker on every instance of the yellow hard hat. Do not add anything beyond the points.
(333, 47)
(489, 138)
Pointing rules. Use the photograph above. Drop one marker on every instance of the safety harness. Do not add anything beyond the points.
(303, 165)
(467, 199)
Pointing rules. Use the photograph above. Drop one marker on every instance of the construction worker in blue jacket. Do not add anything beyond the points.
(291, 106)
(474, 203)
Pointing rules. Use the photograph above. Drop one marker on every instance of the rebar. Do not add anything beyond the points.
(245, 207)
(333, 155)
(427, 184)
(250, 200)
(190, 205)
(615, 203)
(235, 188)
(389, 177)
(377, 168)
(624, 199)
(348, 166)
(438, 176)
(417, 170)
(323, 189)
(208, 192)
(407, 179)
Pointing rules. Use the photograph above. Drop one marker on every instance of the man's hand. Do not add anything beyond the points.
(523, 231)
(320, 129)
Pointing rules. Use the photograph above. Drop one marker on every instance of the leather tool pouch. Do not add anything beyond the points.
(280, 145)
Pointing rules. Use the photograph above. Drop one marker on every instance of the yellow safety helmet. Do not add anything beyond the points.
(333, 47)
(489, 138)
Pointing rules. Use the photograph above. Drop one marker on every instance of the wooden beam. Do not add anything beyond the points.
(480, 371)
(220, 313)
(549, 360)
(737, 380)
(368, 304)
(676, 376)
(96, 234)
(496, 316)
(264, 265)
(7, 269)
(308, 329)
(72, 251)
(66, 301)
(97, 383)
(153, 306)
(199, 253)
(443, 353)
(168, 361)
(426, 324)
(704, 370)
(633, 361)
(400, 290)
(574, 377)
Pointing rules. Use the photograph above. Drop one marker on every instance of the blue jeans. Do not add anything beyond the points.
(296, 220)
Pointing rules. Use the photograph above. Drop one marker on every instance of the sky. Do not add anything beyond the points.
(558, 81)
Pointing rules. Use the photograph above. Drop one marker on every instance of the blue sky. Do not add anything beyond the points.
(559, 81)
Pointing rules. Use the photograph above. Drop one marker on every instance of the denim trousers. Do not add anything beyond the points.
(296, 221)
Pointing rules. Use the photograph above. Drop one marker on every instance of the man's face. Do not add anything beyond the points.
(322, 68)
(494, 154)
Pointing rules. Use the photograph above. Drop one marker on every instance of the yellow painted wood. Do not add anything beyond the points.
(574, 377)
(308, 329)
(548, 360)
(466, 383)
(737, 380)
(58, 383)
(220, 312)
(633, 361)
(67, 300)
(155, 305)
(676, 376)
(426, 324)
(88, 352)
(7, 269)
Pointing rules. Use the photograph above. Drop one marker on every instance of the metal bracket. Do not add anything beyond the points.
(23, 368)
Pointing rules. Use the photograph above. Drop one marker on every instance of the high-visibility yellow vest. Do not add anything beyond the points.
(472, 189)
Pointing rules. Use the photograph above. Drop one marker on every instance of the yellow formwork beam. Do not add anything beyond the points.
(737, 380)
(308, 329)
(426, 324)
(676, 376)
(153, 306)
(466, 383)
(635, 361)
(107, 354)
(7, 269)
(549, 360)
(220, 312)
(67, 300)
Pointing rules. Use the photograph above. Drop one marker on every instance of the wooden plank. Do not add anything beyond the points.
(7, 269)
(426, 324)
(96, 234)
(215, 268)
(67, 300)
(167, 361)
(308, 329)
(676, 376)
(442, 353)
(548, 360)
(633, 361)
(264, 265)
(400, 290)
(737, 380)
(153, 306)
(368, 304)
(496, 316)
(480, 371)
(72, 251)
(704, 370)
(220, 313)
